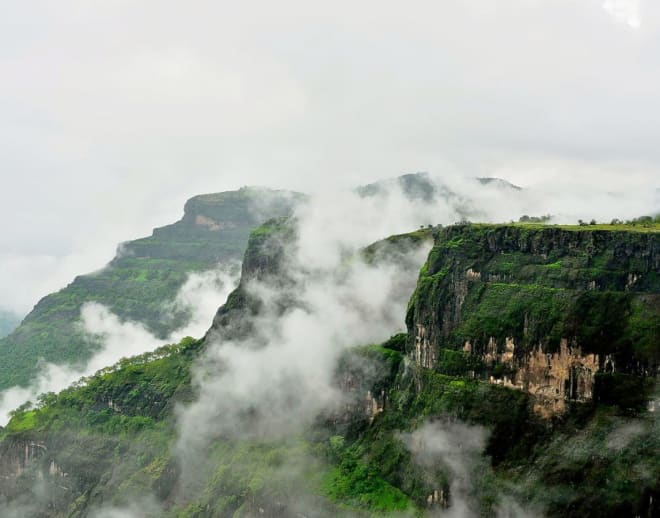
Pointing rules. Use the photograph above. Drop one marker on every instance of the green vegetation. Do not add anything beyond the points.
(366, 468)
(117, 398)
(357, 484)
(605, 465)
(620, 226)
(114, 433)
(538, 284)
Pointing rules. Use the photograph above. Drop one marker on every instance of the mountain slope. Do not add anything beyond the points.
(144, 275)
(414, 436)
(127, 412)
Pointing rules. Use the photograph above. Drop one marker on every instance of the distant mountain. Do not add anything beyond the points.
(144, 275)
(148, 272)
(424, 186)
(415, 186)
(427, 188)
(499, 182)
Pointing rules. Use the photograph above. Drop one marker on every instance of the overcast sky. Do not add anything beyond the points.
(113, 112)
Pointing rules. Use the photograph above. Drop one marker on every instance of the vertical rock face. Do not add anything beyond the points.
(363, 376)
(28, 464)
(265, 261)
(16, 457)
(424, 352)
(553, 378)
(540, 309)
(556, 378)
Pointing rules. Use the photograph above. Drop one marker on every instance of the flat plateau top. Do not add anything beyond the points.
(648, 227)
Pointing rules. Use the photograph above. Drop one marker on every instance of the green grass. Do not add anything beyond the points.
(622, 227)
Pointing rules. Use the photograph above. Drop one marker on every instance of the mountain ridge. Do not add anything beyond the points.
(147, 271)
(144, 273)
(361, 457)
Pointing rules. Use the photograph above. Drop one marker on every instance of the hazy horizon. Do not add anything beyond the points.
(114, 113)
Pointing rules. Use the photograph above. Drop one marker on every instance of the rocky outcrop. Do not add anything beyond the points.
(539, 309)
(437, 499)
(424, 353)
(19, 456)
(554, 379)
(362, 377)
(265, 263)
(16, 457)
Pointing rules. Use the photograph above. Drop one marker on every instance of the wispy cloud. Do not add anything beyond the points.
(199, 298)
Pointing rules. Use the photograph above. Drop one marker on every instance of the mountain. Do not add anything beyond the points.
(414, 185)
(424, 187)
(144, 275)
(143, 279)
(498, 182)
(524, 385)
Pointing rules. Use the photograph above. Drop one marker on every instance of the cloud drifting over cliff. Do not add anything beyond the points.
(280, 376)
(321, 299)
(269, 378)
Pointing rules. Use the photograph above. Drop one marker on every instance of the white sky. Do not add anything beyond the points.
(113, 112)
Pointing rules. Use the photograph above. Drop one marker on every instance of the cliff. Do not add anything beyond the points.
(111, 437)
(146, 272)
(560, 312)
(481, 374)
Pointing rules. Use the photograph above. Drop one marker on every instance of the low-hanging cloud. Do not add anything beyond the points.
(274, 382)
(277, 381)
(146, 507)
(457, 448)
(198, 298)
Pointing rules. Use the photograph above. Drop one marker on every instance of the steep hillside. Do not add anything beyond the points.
(111, 439)
(547, 310)
(426, 424)
(145, 273)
